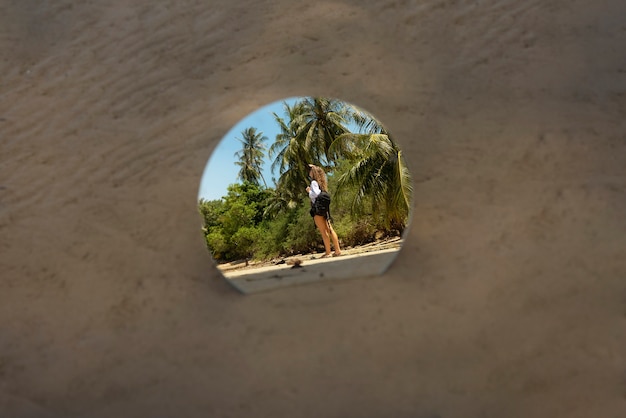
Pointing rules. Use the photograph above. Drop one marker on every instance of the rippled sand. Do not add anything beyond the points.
(506, 301)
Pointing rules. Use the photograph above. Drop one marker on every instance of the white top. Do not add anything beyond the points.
(314, 191)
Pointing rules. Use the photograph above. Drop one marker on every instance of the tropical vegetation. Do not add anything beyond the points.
(368, 180)
(251, 156)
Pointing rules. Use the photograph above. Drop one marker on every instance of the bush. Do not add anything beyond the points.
(234, 227)
(273, 241)
(217, 244)
(302, 236)
(362, 232)
(244, 242)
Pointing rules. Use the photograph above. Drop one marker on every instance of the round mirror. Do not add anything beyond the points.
(306, 189)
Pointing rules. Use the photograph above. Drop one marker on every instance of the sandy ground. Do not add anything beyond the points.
(508, 298)
(359, 262)
(380, 244)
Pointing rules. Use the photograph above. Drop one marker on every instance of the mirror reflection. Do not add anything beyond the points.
(304, 190)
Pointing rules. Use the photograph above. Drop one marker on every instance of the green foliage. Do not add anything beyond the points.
(251, 156)
(354, 233)
(293, 232)
(245, 241)
(378, 178)
(232, 225)
(314, 124)
(217, 244)
(232, 233)
(367, 177)
(211, 211)
(302, 237)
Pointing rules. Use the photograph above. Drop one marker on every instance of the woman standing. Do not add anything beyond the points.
(319, 184)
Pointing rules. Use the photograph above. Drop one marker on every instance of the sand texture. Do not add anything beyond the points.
(508, 298)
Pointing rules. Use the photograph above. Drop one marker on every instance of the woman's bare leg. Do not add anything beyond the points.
(321, 224)
(333, 235)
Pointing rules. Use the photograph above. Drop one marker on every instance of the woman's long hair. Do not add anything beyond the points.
(317, 173)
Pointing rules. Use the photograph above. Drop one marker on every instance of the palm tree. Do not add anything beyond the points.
(321, 121)
(280, 201)
(378, 172)
(251, 156)
(312, 126)
(290, 156)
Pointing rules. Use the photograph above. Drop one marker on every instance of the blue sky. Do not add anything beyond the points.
(221, 169)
